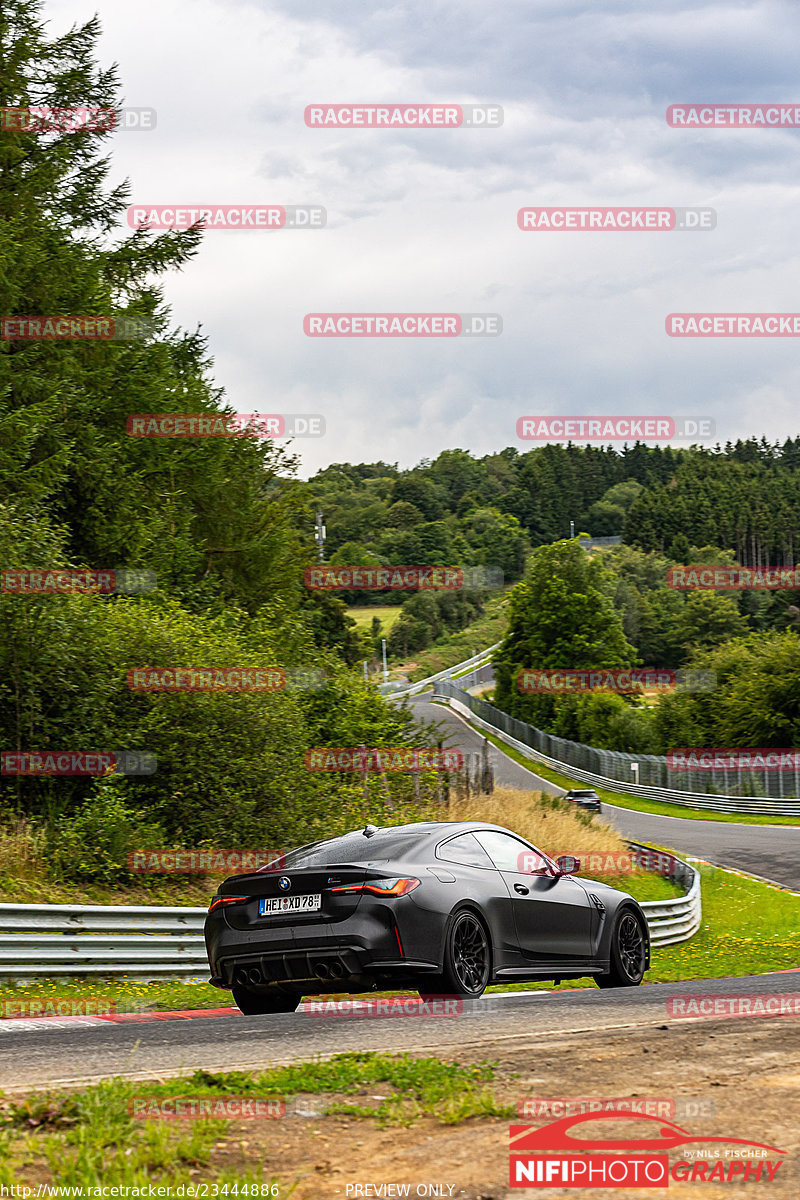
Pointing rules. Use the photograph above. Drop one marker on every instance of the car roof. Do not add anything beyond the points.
(418, 832)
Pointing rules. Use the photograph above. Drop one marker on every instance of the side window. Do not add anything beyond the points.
(509, 854)
(466, 850)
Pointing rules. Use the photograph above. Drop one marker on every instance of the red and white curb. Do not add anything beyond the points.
(21, 1024)
(355, 1008)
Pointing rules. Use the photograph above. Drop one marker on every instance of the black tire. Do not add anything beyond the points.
(467, 964)
(433, 986)
(256, 1004)
(628, 952)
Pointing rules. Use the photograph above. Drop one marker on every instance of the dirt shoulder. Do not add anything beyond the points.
(746, 1071)
(736, 1078)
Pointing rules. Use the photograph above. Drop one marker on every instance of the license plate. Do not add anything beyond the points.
(283, 904)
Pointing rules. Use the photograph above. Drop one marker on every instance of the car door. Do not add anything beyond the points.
(466, 855)
(553, 914)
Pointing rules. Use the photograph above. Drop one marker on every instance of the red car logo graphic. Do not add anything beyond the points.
(527, 1139)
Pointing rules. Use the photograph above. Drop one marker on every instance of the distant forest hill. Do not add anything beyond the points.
(461, 509)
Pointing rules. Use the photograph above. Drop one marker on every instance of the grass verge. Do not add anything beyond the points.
(748, 928)
(103, 1135)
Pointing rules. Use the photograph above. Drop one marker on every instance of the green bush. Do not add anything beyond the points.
(92, 845)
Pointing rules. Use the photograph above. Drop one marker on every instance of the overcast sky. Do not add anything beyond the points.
(426, 220)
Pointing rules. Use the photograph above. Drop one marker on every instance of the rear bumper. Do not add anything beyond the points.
(354, 955)
(318, 971)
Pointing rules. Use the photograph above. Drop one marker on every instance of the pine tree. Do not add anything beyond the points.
(209, 516)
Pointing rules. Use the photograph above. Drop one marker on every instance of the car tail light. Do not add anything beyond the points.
(218, 901)
(381, 887)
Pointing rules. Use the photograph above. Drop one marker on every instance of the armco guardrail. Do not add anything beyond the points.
(530, 741)
(672, 921)
(57, 939)
(447, 673)
(44, 940)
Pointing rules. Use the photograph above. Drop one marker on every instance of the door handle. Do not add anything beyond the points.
(523, 891)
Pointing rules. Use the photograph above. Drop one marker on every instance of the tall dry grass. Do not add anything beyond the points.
(546, 821)
(21, 850)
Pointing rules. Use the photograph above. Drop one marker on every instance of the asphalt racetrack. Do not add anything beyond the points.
(49, 1051)
(769, 851)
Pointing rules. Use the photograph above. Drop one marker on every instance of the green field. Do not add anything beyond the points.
(387, 614)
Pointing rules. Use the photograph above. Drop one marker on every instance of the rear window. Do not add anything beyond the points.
(356, 848)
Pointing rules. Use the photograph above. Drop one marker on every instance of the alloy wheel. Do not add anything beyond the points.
(470, 953)
(630, 942)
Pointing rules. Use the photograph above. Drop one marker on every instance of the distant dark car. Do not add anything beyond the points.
(443, 907)
(585, 798)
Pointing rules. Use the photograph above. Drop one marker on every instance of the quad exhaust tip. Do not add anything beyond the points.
(252, 976)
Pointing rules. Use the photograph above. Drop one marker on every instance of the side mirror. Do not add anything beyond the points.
(567, 865)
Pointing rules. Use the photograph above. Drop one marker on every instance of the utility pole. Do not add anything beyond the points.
(385, 670)
(319, 536)
(572, 529)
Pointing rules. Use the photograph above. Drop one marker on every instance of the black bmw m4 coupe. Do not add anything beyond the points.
(443, 907)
